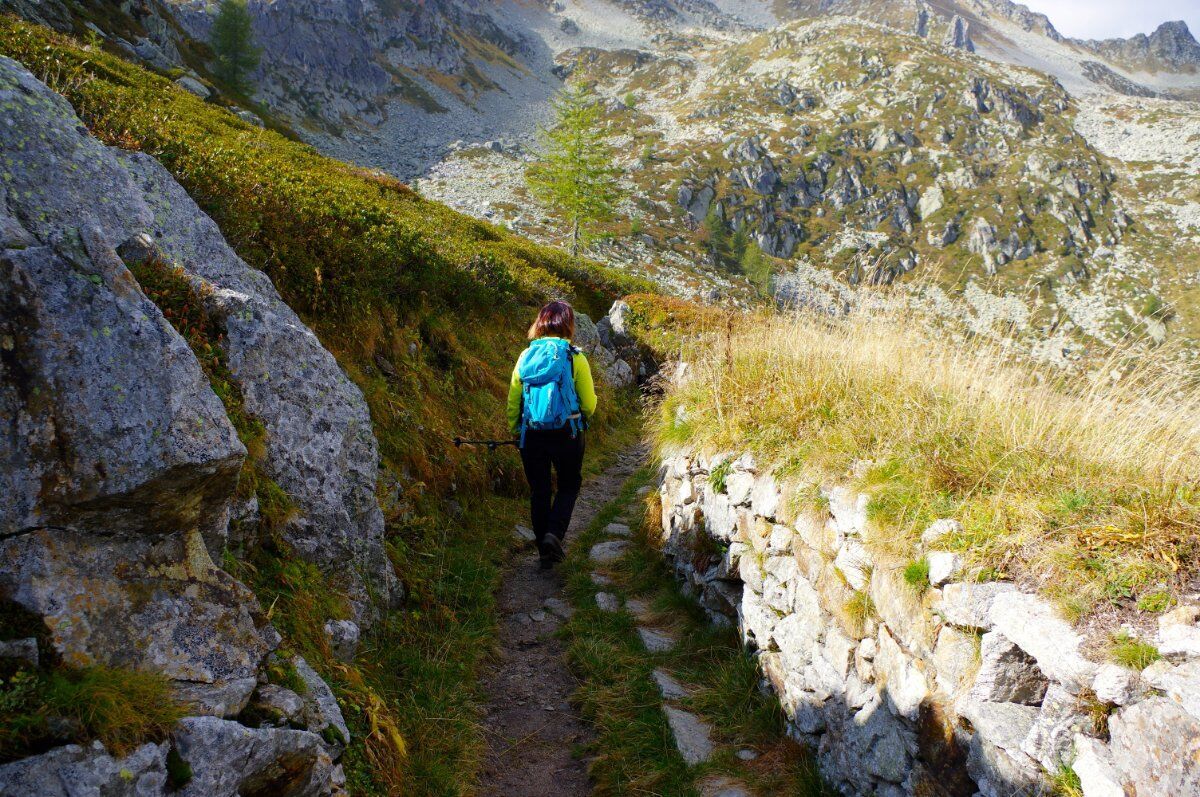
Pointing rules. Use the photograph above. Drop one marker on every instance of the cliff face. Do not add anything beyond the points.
(122, 464)
(1170, 48)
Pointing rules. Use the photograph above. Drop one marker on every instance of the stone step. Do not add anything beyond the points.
(608, 602)
(670, 688)
(656, 641)
(693, 736)
(618, 530)
(640, 608)
(607, 552)
(559, 608)
(718, 786)
(601, 580)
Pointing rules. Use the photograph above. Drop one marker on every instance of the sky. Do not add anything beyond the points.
(1107, 19)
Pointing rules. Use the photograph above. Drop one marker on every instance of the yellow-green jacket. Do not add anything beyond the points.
(583, 386)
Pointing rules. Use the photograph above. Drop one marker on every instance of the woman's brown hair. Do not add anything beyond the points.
(556, 319)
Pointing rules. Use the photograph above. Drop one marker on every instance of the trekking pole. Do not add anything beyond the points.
(492, 445)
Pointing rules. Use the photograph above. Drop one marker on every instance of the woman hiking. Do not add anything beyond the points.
(550, 400)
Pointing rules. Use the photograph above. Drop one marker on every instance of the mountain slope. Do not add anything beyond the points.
(165, 323)
(390, 84)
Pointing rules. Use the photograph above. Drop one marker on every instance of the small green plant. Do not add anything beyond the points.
(282, 672)
(1097, 712)
(1132, 652)
(1155, 602)
(859, 609)
(719, 474)
(630, 100)
(1065, 783)
(179, 772)
(916, 574)
(332, 735)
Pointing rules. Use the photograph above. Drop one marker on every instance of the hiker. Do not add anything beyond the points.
(550, 400)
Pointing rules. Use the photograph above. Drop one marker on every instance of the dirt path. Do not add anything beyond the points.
(531, 726)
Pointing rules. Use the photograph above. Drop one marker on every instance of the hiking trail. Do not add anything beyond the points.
(530, 724)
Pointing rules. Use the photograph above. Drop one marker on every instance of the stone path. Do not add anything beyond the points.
(530, 725)
(693, 735)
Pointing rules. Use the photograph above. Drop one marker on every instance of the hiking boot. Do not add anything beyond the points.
(551, 551)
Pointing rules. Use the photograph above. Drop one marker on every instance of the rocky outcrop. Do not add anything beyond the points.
(73, 770)
(953, 687)
(1103, 75)
(120, 464)
(230, 760)
(69, 190)
(958, 35)
(1171, 47)
(345, 59)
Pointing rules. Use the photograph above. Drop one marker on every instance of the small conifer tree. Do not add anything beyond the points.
(574, 174)
(719, 245)
(233, 43)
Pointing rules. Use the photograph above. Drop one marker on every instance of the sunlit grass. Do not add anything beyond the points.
(1084, 487)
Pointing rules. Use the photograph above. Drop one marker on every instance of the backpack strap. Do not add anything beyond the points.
(577, 421)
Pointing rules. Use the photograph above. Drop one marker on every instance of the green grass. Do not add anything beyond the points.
(858, 609)
(120, 708)
(1065, 783)
(1129, 651)
(634, 751)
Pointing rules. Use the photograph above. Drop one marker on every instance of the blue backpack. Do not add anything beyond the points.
(547, 374)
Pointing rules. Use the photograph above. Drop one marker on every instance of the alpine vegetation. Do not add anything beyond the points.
(1083, 487)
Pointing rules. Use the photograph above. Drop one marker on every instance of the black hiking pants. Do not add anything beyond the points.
(550, 511)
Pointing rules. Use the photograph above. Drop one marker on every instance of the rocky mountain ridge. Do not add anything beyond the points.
(356, 76)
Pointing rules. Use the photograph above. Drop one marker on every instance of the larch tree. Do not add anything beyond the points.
(574, 174)
(233, 43)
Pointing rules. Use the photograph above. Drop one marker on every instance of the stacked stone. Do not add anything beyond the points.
(975, 688)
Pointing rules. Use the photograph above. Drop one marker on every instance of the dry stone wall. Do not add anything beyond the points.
(951, 688)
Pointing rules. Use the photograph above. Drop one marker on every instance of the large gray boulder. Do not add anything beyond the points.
(231, 760)
(67, 190)
(110, 427)
(118, 461)
(151, 602)
(74, 771)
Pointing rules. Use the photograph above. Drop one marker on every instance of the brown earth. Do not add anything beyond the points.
(532, 728)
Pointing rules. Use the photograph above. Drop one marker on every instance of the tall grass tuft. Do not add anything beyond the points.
(1083, 486)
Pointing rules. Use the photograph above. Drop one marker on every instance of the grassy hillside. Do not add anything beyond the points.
(1084, 489)
(425, 309)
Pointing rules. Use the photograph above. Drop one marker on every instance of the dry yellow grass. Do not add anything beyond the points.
(1084, 487)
